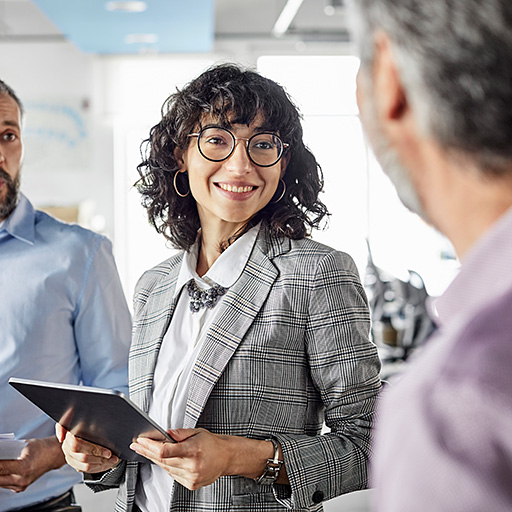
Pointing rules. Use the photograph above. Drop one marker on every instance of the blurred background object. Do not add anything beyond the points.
(401, 322)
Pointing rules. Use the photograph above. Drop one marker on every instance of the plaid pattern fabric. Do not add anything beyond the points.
(288, 349)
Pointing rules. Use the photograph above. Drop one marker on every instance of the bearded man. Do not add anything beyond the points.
(63, 318)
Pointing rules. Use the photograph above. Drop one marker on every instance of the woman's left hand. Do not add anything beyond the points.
(198, 458)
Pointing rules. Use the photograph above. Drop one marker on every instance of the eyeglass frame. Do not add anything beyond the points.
(285, 145)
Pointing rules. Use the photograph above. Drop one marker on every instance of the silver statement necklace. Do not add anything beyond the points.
(203, 298)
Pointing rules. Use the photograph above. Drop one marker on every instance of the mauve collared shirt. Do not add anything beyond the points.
(444, 431)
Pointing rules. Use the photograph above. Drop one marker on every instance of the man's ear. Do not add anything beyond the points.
(389, 92)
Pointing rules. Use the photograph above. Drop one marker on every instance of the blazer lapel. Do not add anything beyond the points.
(236, 314)
(149, 329)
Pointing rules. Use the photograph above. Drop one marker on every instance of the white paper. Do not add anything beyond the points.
(10, 448)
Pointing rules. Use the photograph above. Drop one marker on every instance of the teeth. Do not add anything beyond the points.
(239, 190)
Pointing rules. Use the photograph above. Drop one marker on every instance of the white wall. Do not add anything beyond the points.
(59, 74)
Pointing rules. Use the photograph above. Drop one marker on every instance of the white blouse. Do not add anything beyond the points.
(178, 353)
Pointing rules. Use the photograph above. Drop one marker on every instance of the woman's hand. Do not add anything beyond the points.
(84, 456)
(198, 458)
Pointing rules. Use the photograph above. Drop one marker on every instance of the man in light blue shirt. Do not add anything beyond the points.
(63, 318)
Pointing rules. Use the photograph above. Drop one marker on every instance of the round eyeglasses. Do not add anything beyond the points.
(216, 144)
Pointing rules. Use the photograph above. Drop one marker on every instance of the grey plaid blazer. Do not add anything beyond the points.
(288, 350)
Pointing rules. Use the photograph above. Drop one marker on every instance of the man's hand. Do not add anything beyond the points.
(36, 459)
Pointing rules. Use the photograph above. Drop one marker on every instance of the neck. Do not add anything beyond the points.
(462, 203)
(212, 238)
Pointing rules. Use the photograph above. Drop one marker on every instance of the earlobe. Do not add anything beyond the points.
(389, 89)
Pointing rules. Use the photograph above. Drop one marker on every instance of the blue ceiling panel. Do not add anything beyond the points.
(179, 26)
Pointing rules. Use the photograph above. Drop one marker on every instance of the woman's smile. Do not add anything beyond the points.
(236, 191)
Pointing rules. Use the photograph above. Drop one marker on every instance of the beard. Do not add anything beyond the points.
(388, 157)
(397, 174)
(9, 202)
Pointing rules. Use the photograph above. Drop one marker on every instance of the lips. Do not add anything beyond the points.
(237, 189)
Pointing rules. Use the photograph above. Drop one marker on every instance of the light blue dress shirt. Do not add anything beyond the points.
(63, 318)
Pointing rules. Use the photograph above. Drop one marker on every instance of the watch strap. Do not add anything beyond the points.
(273, 466)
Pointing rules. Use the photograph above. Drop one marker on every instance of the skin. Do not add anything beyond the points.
(451, 192)
(11, 145)
(222, 212)
(40, 455)
(200, 457)
(36, 459)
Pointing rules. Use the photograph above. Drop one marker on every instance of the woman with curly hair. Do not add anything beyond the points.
(254, 335)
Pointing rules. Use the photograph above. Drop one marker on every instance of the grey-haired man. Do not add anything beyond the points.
(435, 97)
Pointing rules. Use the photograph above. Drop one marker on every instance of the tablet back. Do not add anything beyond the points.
(101, 416)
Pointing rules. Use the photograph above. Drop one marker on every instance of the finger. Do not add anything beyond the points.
(9, 467)
(151, 449)
(167, 464)
(77, 446)
(87, 457)
(90, 468)
(91, 464)
(60, 432)
(14, 482)
(180, 434)
(11, 485)
(80, 460)
(7, 482)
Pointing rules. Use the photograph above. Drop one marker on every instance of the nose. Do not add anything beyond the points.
(239, 161)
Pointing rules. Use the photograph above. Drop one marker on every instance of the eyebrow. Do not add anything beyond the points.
(229, 126)
(14, 124)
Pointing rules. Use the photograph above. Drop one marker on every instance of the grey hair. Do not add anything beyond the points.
(455, 61)
(5, 89)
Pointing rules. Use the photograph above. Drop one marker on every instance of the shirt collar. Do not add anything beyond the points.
(20, 223)
(227, 267)
(485, 273)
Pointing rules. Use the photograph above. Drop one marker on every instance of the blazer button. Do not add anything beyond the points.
(318, 497)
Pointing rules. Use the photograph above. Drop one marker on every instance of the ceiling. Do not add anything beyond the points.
(171, 26)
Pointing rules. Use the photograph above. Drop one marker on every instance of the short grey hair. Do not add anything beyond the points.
(5, 89)
(455, 60)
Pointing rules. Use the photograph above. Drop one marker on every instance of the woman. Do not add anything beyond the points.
(253, 335)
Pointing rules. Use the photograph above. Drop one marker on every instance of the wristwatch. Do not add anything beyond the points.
(273, 467)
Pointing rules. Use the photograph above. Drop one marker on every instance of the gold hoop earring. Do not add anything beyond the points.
(176, 188)
(282, 194)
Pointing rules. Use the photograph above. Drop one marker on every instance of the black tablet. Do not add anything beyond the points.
(101, 416)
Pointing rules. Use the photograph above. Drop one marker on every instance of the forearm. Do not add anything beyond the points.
(53, 452)
(248, 457)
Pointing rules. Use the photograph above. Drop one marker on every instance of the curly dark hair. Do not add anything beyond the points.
(232, 95)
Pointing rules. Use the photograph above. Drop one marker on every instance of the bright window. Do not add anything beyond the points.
(361, 199)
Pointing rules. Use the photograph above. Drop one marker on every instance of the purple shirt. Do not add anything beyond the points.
(444, 431)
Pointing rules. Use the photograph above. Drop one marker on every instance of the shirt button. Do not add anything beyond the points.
(318, 497)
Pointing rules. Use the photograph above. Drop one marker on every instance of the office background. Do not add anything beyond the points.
(93, 75)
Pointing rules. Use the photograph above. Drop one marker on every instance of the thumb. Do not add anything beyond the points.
(60, 432)
(180, 434)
